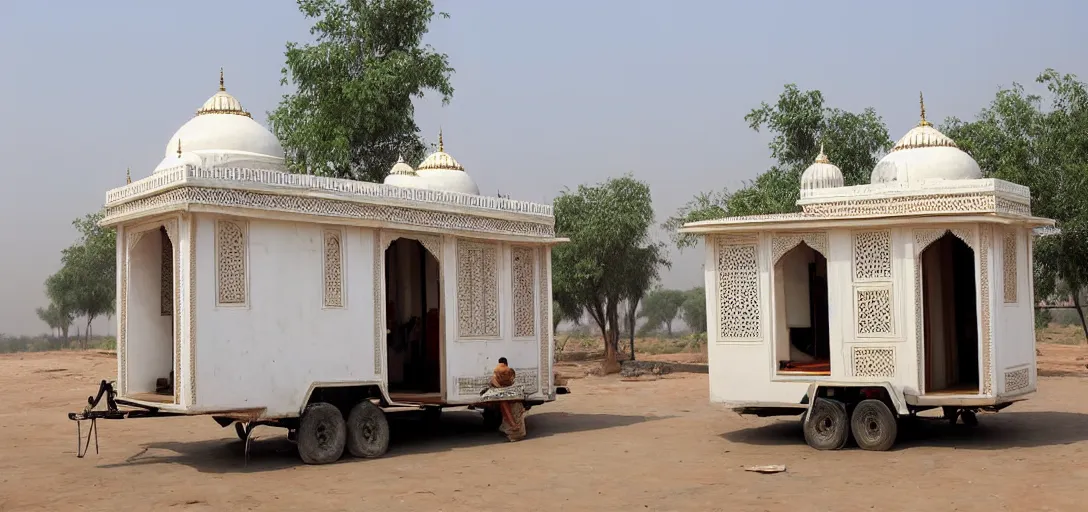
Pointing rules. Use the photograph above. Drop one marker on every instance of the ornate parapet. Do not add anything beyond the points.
(924, 198)
(259, 189)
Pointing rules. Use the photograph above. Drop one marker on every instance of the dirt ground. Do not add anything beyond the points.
(610, 445)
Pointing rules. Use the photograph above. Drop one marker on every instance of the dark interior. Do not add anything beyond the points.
(414, 337)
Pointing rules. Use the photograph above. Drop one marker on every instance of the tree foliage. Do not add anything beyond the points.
(661, 308)
(1041, 142)
(86, 283)
(610, 258)
(800, 123)
(351, 114)
(58, 320)
(693, 309)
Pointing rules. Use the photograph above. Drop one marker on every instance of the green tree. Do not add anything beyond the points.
(351, 114)
(86, 283)
(1016, 138)
(643, 270)
(799, 123)
(693, 310)
(58, 320)
(662, 307)
(610, 253)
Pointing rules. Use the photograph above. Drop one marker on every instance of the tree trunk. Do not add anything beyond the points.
(87, 334)
(1080, 313)
(612, 338)
(64, 333)
(668, 327)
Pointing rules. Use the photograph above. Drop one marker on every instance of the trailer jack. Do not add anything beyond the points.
(111, 412)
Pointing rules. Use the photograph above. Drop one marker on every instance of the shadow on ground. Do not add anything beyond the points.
(994, 432)
(269, 449)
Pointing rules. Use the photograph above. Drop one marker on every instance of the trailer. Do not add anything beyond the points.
(878, 301)
(260, 297)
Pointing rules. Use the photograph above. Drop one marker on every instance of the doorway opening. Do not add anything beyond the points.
(802, 334)
(149, 330)
(949, 316)
(412, 305)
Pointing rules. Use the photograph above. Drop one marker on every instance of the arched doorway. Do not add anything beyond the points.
(149, 329)
(413, 299)
(802, 334)
(949, 317)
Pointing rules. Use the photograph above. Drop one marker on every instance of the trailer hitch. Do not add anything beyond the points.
(105, 388)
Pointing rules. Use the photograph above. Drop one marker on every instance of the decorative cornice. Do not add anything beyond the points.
(303, 185)
(188, 197)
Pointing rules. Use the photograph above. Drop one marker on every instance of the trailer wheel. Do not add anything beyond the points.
(368, 431)
(874, 425)
(321, 434)
(969, 418)
(240, 429)
(826, 425)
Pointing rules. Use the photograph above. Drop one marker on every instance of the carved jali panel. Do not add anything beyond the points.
(522, 270)
(230, 259)
(872, 255)
(874, 361)
(334, 270)
(739, 316)
(874, 308)
(477, 289)
(1008, 264)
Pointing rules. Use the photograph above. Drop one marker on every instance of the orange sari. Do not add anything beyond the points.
(513, 411)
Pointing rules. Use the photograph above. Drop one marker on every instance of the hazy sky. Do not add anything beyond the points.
(548, 94)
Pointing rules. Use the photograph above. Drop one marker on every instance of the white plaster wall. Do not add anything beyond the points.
(269, 352)
(477, 357)
(743, 371)
(1014, 323)
(149, 341)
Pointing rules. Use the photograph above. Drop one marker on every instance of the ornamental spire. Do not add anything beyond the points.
(441, 147)
(221, 86)
(128, 176)
(179, 147)
(922, 104)
(822, 157)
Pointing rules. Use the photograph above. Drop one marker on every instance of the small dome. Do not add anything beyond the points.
(402, 175)
(401, 168)
(439, 171)
(925, 153)
(179, 158)
(821, 174)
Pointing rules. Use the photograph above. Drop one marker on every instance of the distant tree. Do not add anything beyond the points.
(693, 310)
(610, 254)
(560, 314)
(1016, 139)
(800, 123)
(86, 283)
(351, 114)
(644, 265)
(662, 307)
(56, 318)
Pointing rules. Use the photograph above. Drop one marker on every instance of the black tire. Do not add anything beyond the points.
(432, 415)
(826, 426)
(875, 427)
(322, 434)
(240, 429)
(969, 418)
(951, 414)
(492, 418)
(368, 431)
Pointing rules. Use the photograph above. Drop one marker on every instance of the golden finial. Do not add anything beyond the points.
(179, 147)
(922, 103)
(128, 176)
(822, 157)
(441, 147)
(221, 86)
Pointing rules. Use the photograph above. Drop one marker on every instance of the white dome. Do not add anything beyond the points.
(925, 153)
(440, 171)
(223, 133)
(401, 168)
(179, 158)
(821, 174)
(402, 175)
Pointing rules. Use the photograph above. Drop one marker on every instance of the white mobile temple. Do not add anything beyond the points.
(256, 295)
(878, 300)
